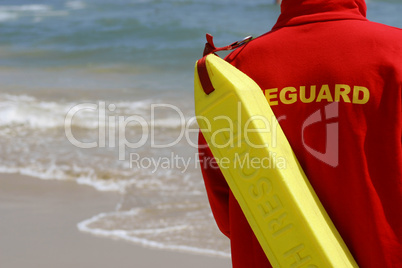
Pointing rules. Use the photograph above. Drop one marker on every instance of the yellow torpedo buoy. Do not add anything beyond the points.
(280, 205)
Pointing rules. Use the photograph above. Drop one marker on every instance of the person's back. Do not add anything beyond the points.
(334, 81)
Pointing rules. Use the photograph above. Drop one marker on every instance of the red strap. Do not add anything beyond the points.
(209, 45)
(210, 48)
(204, 77)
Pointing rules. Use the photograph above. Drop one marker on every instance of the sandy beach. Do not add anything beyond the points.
(38, 228)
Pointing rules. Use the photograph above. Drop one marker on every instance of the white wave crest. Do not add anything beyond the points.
(6, 16)
(75, 5)
(152, 236)
(28, 111)
(37, 11)
(26, 8)
(37, 114)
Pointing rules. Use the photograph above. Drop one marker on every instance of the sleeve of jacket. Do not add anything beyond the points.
(216, 186)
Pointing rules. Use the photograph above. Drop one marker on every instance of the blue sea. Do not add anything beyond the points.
(100, 92)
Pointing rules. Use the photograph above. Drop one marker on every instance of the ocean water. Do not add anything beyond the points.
(100, 92)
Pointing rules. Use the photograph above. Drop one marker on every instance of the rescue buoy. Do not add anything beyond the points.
(278, 201)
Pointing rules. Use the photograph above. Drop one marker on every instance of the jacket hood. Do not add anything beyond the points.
(296, 12)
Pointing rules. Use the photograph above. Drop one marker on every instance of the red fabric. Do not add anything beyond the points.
(347, 134)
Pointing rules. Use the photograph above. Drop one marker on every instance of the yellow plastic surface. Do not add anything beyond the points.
(263, 173)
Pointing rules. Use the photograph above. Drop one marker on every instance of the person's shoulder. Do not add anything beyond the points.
(384, 26)
(247, 49)
(379, 30)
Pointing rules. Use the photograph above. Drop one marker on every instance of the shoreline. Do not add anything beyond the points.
(39, 228)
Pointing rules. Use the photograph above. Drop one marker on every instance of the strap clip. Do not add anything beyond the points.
(211, 48)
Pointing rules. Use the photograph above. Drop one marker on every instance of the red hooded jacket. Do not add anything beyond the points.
(334, 81)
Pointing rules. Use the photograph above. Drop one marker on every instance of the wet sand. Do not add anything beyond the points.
(38, 228)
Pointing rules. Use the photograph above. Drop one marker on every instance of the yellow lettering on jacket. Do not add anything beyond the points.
(287, 95)
(308, 94)
(303, 94)
(272, 95)
(324, 94)
(361, 95)
(342, 91)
